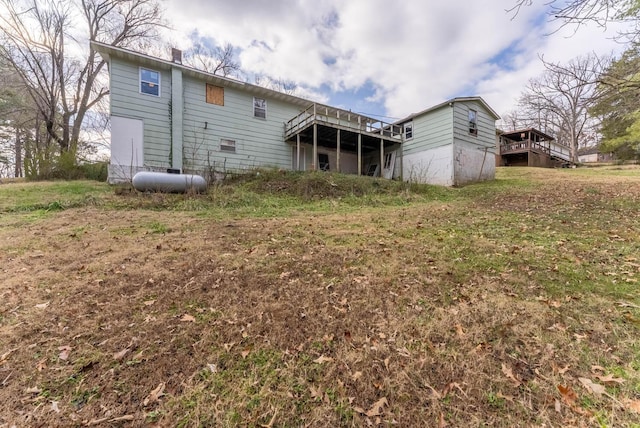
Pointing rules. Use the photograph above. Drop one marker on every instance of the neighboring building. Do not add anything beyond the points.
(165, 115)
(592, 155)
(530, 147)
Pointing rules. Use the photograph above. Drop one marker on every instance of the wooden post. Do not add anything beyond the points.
(359, 152)
(338, 151)
(315, 147)
(401, 156)
(298, 151)
(381, 154)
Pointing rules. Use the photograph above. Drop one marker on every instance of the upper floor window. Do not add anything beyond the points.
(473, 122)
(149, 82)
(408, 130)
(215, 95)
(260, 108)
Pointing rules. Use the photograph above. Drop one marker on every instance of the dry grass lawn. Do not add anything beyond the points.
(512, 303)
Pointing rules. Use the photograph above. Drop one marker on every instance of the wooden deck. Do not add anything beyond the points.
(342, 119)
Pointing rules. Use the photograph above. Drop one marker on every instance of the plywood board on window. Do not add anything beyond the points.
(215, 95)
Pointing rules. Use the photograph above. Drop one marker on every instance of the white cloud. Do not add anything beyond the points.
(414, 53)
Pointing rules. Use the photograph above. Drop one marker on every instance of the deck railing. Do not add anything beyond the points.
(553, 149)
(341, 119)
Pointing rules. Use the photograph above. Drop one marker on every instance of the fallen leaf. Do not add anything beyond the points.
(33, 390)
(610, 379)
(633, 405)
(356, 376)
(149, 302)
(378, 407)
(120, 355)
(568, 395)
(228, 346)
(315, 392)
(65, 351)
(509, 374)
(596, 388)
(6, 354)
(579, 337)
(245, 353)
(187, 318)
(42, 305)
(322, 359)
(598, 368)
(154, 395)
(54, 407)
(42, 364)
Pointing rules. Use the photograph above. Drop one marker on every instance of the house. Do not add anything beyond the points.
(592, 155)
(530, 147)
(167, 116)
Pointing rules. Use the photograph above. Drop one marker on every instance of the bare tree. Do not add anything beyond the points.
(218, 60)
(40, 40)
(559, 100)
(579, 12)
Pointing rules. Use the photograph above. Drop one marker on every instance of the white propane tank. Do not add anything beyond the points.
(147, 181)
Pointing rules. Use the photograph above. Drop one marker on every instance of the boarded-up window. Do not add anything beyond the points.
(227, 145)
(215, 95)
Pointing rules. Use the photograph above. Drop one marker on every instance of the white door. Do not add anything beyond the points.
(389, 164)
(127, 142)
(301, 163)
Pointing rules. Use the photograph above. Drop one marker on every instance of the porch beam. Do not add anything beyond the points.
(381, 155)
(315, 147)
(338, 151)
(298, 152)
(359, 153)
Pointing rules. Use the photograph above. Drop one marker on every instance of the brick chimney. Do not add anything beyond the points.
(176, 55)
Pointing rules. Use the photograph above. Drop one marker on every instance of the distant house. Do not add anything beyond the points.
(530, 147)
(592, 155)
(165, 115)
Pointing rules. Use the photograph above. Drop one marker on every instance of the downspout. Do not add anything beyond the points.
(177, 113)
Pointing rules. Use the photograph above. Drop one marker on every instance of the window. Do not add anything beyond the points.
(227, 145)
(408, 130)
(473, 122)
(149, 82)
(260, 108)
(215, 95)
(323, 161)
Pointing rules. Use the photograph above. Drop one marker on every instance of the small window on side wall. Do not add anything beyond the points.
(408, 130)
(473, 122)
(227, 145)
(149, 82)
(260, 108)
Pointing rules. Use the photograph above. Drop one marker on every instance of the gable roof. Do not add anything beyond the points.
(450, 103)
(107, 51)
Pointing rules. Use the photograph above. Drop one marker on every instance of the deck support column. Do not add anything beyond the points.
(315, 147)
(298, 152)
(401, 157)
(381, 156)
(359, 153)
(338, 151)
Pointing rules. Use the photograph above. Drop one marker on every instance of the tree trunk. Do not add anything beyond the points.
(18, 154)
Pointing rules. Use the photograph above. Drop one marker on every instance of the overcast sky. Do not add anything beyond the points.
(390, 58)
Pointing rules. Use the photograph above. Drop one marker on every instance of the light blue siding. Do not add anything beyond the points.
(259, 142)
(431, 130)
(486, 136)
(127, 101)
